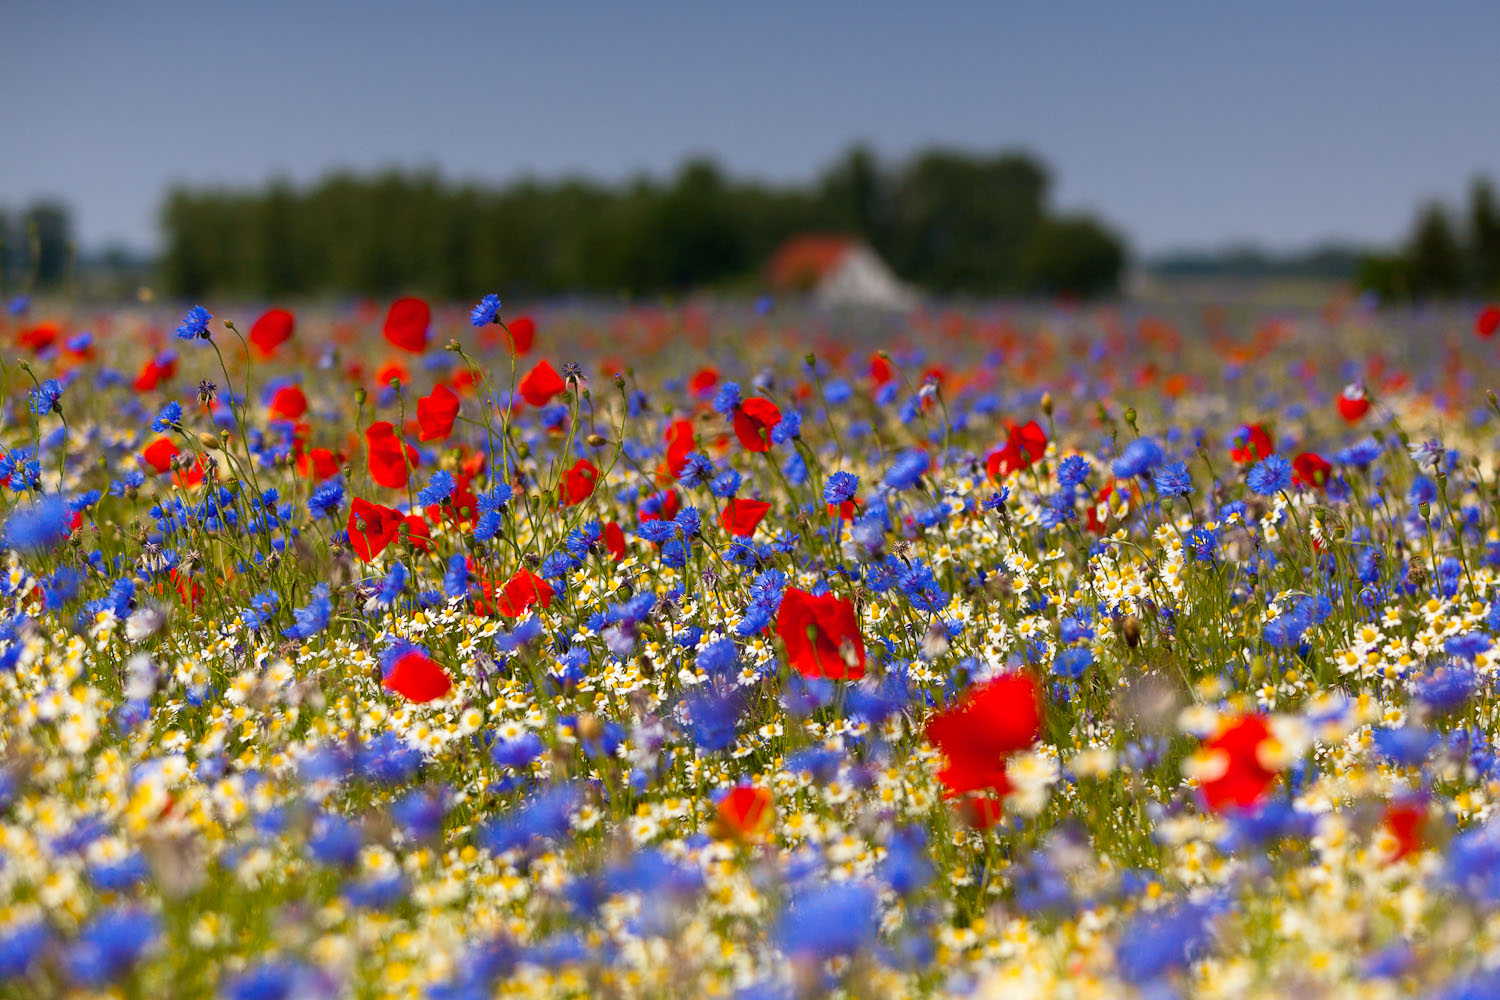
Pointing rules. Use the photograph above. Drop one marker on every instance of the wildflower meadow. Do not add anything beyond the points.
(406, 649)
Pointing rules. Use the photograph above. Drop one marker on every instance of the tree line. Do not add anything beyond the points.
(947, 221)
(36, 246)
(1448, 253)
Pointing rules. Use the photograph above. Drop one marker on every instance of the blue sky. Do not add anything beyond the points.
(1186, 124)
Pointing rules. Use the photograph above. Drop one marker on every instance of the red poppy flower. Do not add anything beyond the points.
(522, 334)
(539, 385)
(741, 516)
(703, 381)
(371, 527)
(821, 635)
(881, 370)
(753, 420)
(578, 482)
(667, 505)
(415, 677)
(391, 459)
(990, 722)
(191, 476)
(40, 337)
(745, 812)
(320, 463)
(154, 370)
(845, 511)
(462, 506)
(273, 329)
(189, 591)
(983, 811)
(1251, 443)
(1023, 446)
(1311, 469)
(522, 591)
(392, 371)
(1404, 821)
(436, 413)
(159, 454)
(614, 541)
(1099, 510)
(406, 324)
(1238, 778)
(1488, 321)
(289, 402)
(1352, 403)
(679, 438)
(416, 531)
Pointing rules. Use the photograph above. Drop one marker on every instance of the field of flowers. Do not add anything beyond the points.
(745, 652)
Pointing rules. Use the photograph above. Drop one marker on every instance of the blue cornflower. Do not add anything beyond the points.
(261, 610)
(489, 526)
(1406, 746)
(195, 324)
(273, 979)
(695, 470)
(840, 488)
(439, 488)
(109, 945)
(1286, 630)
(1073, 470)
(907, 868)
(1447, 687)
(727, 399)
(326, 499)
(487, 311)
(547, 816)
(391, 585)
(21, 945)
(38, 526)
(310, 620)
(335, 841)
(1423, 490)
(1271, 474)
(1360, 454)
(519, 752)
(1072, 663)
(831, 920)
(1139, 457)
(44, 398)
(726, 484)
(168, 418)
(1468, 645)
(907, 469)
(787, 428)
(494, 500)
(718, 658)
(714, 719)
(1172, 479)
(1203, 543)
(456, 577)
(1158, 942)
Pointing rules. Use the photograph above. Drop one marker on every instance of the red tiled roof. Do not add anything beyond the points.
(803, 261)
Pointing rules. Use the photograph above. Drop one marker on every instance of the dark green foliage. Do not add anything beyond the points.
(36, 246)
(947, 221)
(1441, 258)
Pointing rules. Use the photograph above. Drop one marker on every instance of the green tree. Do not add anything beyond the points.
(1074, 255)
(1435, 261)
(1484, 237)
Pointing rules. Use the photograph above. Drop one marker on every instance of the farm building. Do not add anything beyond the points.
(837, 271)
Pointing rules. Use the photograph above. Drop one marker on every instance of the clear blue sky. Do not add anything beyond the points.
(1187, 124)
